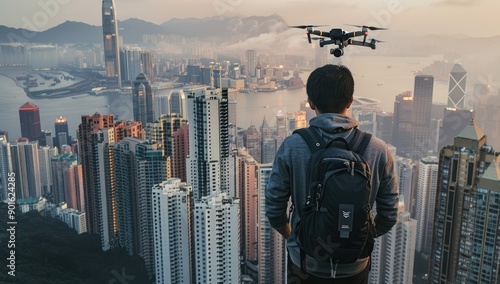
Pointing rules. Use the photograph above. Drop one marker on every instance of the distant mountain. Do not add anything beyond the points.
(132, 30)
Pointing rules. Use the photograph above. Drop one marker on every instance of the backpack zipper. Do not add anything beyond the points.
(333, 272)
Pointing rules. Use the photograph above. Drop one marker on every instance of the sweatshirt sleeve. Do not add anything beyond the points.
(278, 190)
(387, 198)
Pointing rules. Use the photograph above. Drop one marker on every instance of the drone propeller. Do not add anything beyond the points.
(372, 28)
(376, 40)
(306, 26)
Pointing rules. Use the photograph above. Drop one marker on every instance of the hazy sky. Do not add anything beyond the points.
(470, 17)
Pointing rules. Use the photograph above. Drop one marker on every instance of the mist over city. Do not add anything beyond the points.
(137, 138)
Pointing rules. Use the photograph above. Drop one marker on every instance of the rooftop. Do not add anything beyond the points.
(471, 132)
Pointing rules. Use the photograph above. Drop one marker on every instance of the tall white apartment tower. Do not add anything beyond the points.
(271, 245)
(172, 236)
(208, 163)
(393, 254)
(426, 198)
(216, 231)
(5, 166)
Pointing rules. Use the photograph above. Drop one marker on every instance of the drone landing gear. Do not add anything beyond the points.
(337, 52)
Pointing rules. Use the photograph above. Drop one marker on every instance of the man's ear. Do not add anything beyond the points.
(311, 105)
(350, 102)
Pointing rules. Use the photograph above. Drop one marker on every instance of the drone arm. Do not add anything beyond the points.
(363, 43)
(320, 33)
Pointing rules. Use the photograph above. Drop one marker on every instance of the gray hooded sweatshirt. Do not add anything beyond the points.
(288, 178)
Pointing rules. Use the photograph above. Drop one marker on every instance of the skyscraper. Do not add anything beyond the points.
(394, 252)
(485, 253)
(384, 126)
(251, 63)
(421, 116)
(247, 188)
(177, 102)
(252, 140)
(130, 63)
(67, 179)
(209, 160)
(271, 250)
(402, 123)
(26, 166)
(216, 232)
(407, 176)
(88, 136)
(281, 129)
(142, 99)
(110, 44)
(29, 116)
(456, 88)
(425, 207)
(5, 166)
(45, 154)
(172, 234)
(463, 210)
(147, 60)
(61, 126)
(180, 153)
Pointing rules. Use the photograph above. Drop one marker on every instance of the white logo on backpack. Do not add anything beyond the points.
(346, 214)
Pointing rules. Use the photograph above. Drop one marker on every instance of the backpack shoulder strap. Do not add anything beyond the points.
(312, 138)
(360, 141)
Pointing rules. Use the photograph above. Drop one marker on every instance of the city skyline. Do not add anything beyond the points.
(395, 14)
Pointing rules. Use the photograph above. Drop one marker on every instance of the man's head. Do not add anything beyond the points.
(330, 89)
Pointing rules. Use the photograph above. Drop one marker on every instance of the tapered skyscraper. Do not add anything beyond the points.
(111, 48)
(142, 99)
(456, 89)
(466, 220)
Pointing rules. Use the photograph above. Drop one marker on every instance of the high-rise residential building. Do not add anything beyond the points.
(139, 165)
(5, 167)
(247, 191)
(421, 116)
(216, 239)
(456, 88)
(180, 152)
(26, 166)
(142, 99)
(128, 128)
(148, 65)
(252, 140)
(393, 255)
(45, 154)
(464, 221)
(408, 181)
(88, 137)
(251, 62)
(271, 245)
(150, 169)
(208, 164)
(110, 44)
(67, 179)
(485, 253)
(177, 103)
(29, 117)
(384, 126)
(130, 63)
(425, 207)
(172, 235)
(74, 219)
(402, 123)
(61, 126)
(42, 57)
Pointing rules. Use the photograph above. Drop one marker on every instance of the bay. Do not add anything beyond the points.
(381, 78)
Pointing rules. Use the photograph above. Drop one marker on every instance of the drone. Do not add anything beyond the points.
(340, 37)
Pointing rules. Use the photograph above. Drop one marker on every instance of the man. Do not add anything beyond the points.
(330, 93)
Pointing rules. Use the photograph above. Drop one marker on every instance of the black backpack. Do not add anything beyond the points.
(336, 225)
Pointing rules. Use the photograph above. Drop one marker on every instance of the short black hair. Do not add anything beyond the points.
(330, 88)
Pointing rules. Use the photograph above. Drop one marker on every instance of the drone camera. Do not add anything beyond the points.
(337, 52)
